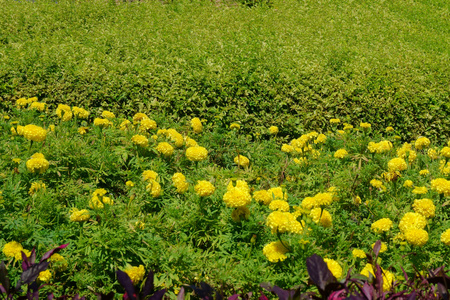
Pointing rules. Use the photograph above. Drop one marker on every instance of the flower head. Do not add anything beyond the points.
(321, 216)
(80, 113)
(358, 253)
(334, 267)
(45, 276)
(149, 175)
(204, 188)
(154, 188)
(262, 196)
(79, 215)
(108, 115)
(136, 274)
(280, 205)
(196, 125)
(240, 213)
(275, 251)
(382, 225)
(34, 133)
(445, 237)
(425, 207)
(235, 126)
(421, 143)
(64, 112)
(165, 148)
(140, 140)
(341, 153)
(147, 124)
(365, 125)
(412, 220)
(103, 123)
(397, 164)
(416, 237)
(37, 163)
(273, 130)
(196, 153)
(242, 161)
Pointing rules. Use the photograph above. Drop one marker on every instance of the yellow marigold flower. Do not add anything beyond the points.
(390, 176)
(176, 137)
(39, 106)
(79, 215)
(416, 237)
(388, 277)
(102, 122)
(108, 115)
(377, 184)
(36, 186)
(147, 124)
(235, 126)
(412, 156)
(365, 125)
(382, 225)
(324, 198)
(125, 125)
(20, 129)
(282, 222)
(383, 247)
(380, 147)
(347, 126)
(204, 188)
(178, 178)
(242, 161)
(321, 138)
(444, 167)
(139, 117)
(196, 125)
(16, 160)
(280, 205)
(34, 133)
(389, 129)
(275, 251)
(98, 201)
(140, 140)
(149, 175)
(334, 267)
(64, 112)
(22, 102)
(441, 186)
(321, 216)
(154, 188)
(262, 196)
(341, 153)
(237, 196)
(310, 203)
(445, 152)
(13, 131)
(421, 143)
(397, 164)
(99, 192)
(45, 276)
(136, 274)
(335, 121)
(424, 172)
(129, 183)
(287, 148)
(341, 132)
(37, 163)
(58, 262)
(240, 213)
(301, 161)
(445, 237)
(412, 220)
(165, 148)
(196, 153)
(432, 153)
(420, 190)
(358, 253)
(190, 142)
(273, 130)
(408, 183)
(12, 249)
(357, 200)
(82, 130)
(80, 113)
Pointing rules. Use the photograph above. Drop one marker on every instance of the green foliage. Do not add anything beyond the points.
(295, 64)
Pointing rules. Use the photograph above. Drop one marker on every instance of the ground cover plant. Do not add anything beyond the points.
(384, 62)
(199, 201)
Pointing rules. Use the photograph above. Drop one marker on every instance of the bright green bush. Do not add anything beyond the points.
(295, 64)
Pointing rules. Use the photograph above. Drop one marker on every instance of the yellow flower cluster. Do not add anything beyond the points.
(321, 138)
(425, 207)
(190, 142)
(45, 276)
(382, 225)
(39, 106)
(424, 172)
(140, 140)
(165, 149)
(98, 199)
(441, 186)
(102, 122)
(281, 222)
(240, 213)
(397, 164)
(408, 183)
(139, 117)
(58, 262)
(79, 215)
(175, 136)
(444, 167)
(108, 115)
(34, 133)
(412, 220)
(319, 199)
(279, 205)
(64, 112)
(15, 249)
(136, 274)
(416, 237)
(149, 175)
(335, 121)
(262, 196)
(36, 186)
(235, 126)
(179, 181)
(432, 153)
(377, 184)
(242, 161)
(445, 152)
(275, 251)
(196, 125)
(82, 129)
(238, 195)
(445, 237)
(322, 217)
(196, 153)
(125, 125)
(287, 148)
(380, 147)
(419, 190)
(204, 188)
(405, 151)
(365, 125)
(273, 130)
(154, 188)
(421, 143)
(358, 253)
(341, 153)
(80, 113)
(334, 267)
(37, 163)
(147, 124)
(388, 277)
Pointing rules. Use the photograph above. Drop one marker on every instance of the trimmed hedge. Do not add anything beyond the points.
(295, 65)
